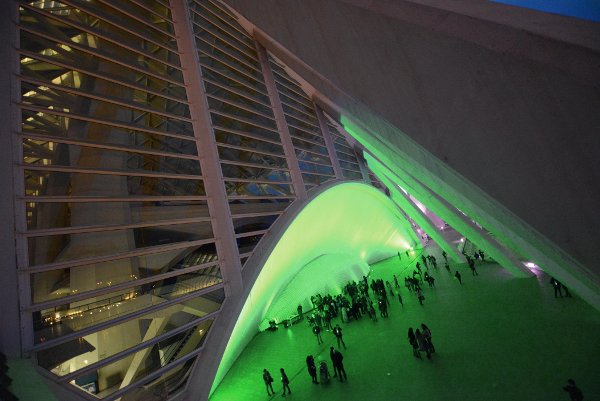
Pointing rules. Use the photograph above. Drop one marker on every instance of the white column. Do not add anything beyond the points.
(218, 205)
(329, 143)
(284, 133)
(15, 334)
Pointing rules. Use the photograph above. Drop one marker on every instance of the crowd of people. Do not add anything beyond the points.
(359, 298)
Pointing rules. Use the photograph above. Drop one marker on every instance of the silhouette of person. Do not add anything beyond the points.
(412, 339)
(300, 314)
(557, 287)
(285, 381)
(574, 391)
(312, 368)
(337, 331)
(338, 365)
(268, 379)
(458, 277)
(317, 331)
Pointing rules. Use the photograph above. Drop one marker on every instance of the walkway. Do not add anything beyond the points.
(497, 338)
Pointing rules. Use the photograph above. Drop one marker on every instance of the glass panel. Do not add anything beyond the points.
(68, 70)
(234, 98)
(97, 27)
(230, 122)
(300, 100)
(103, 344)
(301, 134)
(106, 13)
(221, 18)
(353, 175)
(239, 207)
(64, 319)
(312, 179)
(312, 157)
(55, 284)
(169, 383)
(241, 140)
(349, 166)
(62, 248)
(303, 126)
(230, 81)
(44, 215)
(244, 114)
(293, 103)
(77, 104)
(303, 145)
(62, 33)
(265, 174)
(250, 157)
(226, 45)
(315, 168)
(247, 244)
(229, 67)
(346, 156)
(257, 189)
(135, 367)
(249, 224)
(45, 153)
(52, 183)
(81, 130)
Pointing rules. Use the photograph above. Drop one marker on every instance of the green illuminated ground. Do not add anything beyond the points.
(498, 338)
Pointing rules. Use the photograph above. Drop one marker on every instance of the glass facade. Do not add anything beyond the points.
(120, 252)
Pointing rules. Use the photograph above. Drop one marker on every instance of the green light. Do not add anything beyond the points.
(351, 223)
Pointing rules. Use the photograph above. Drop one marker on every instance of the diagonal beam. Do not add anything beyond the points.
(406, 204)
(459, 221)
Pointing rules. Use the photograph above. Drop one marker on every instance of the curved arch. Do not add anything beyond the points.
(349, 222)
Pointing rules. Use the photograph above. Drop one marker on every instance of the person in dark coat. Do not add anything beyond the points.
(285, 381)
(337, 331)
(574, 391)
(268, 379)
(338, 365)
(312, 368)
(412, 339)
(317, 331)
(557, 287)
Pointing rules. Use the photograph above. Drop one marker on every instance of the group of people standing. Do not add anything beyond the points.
(420, 340)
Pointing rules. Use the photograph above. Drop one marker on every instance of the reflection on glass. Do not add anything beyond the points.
(69, 357)
(55, 284)
(114, 376)
(71, 317)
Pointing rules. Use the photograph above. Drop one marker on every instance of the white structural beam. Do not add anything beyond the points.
(329, 143)
(458, 220)
(207, 151)
(410, 208)
(284, 133)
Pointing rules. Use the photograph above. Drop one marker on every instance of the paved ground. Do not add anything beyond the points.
(497, 338)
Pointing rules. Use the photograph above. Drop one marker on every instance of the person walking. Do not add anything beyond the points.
(396, 282)
(427, 334)
(285, 381)
(268, 379)
(300, 314)
(317, 331)
(557, 287)
(423, 346)
(458, 277)
(337, 331)
(420, 295)
(412, 339)
(312, 368)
